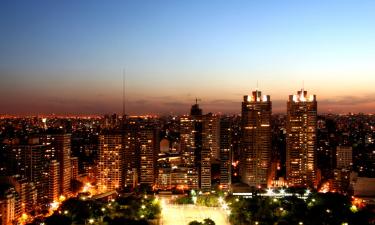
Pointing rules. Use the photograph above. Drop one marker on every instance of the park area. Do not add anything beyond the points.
(185, 213)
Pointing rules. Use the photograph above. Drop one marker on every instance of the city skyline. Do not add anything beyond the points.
(68, 58)
(161, 112)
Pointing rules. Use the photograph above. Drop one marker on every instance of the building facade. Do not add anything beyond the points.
(54, 181)
(301, 142)
(111, 162)
(225, 152)
(255, 139)
(344, 157)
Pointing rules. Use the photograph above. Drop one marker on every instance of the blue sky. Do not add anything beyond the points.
(68, 56)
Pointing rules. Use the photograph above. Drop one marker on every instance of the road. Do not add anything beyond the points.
(183, 214)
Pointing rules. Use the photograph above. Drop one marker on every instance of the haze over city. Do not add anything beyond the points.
(68, 57)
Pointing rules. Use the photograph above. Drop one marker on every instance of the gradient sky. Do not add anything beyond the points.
(68, 56)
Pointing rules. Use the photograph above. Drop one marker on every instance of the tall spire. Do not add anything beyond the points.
(303, 85)
(123, 92)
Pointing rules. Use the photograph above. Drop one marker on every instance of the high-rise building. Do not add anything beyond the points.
(187, 140)
(131, 161)
(202, 157)
(74, 167)
(256, 139)
(111, 162)
(62, 145)
(205, 165)
(211, 134)
(210, 147)
(8, 209)
(149, 149)
(54, 181)
(197, 119)
(344, 157)
(26, 191)
(225, 152)
(27, 161)
(301, 127)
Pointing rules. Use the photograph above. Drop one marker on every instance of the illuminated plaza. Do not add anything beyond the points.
(187, 213)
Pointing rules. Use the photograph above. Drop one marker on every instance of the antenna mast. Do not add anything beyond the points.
(123, 93)
(303, 85)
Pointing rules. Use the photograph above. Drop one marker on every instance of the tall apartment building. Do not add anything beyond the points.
(74, 167)
(205, 173)
(210, 147)
(301, 127)
(225, 152)
(8, 208)
(211, 134)
(54, 181)
(27, 160)
(26, 191)
(187, 140)
(197, 117)
(111, 162)
(148, 150)
(62, 145)
(255, 139)
(131, 147)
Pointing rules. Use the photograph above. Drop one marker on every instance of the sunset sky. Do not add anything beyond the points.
(68, 56)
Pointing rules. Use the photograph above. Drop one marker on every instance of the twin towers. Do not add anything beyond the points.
(301, 126)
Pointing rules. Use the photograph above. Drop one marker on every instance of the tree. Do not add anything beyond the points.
(208, 221)
(195, 223)
(58, 220)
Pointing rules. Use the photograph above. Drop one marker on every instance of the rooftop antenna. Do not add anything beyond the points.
(257, 86)
(303, 85)
(123, 92)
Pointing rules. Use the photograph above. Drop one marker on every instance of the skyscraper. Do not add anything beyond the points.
(197, 116)
(62, 145)
(255, 139)
(301, 144)
(27, 161)
(211, 133)
(225, 152)
(74, 167)
(131, 147)
(54, 181)
(111, 162)
(205, 176)
(187, 140)
(210, 147)
(149, 148)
